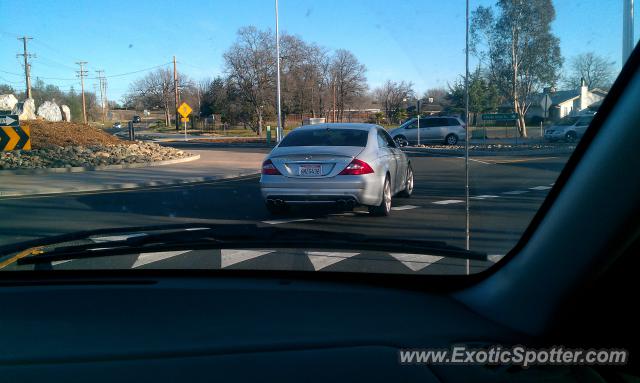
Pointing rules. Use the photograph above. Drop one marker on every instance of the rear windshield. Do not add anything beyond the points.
(326, 137)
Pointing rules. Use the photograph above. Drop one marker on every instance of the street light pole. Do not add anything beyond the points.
(279, 128)
(466, 141)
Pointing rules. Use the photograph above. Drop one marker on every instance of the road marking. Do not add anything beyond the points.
(484, 196)
(540, 187)
(404, 207)
(523, 160)
(416, 262)
(495, 257)
(112, 238)
(482, 162)
(346, 214)
(448, 201)
(146, 258)
(515, 192)
(56, 263)
(197, 228)
(231, 257)
(280, 221)
(321, 259)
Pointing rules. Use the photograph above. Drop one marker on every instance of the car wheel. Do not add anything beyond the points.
(408, 186)
(401, 141)
(385, 206)
(451, 139)
(570, 137)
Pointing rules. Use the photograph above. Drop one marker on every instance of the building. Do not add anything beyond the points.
(565, 102)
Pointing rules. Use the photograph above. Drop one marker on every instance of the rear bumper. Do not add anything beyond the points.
(356, 190)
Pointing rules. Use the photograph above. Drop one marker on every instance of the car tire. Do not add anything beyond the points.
(570, 137)
(401, 141)
(384, 209)
(408, 186)
(451, 139)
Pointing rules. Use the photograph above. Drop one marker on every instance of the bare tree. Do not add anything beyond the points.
(348, 79)
(250, 66)
(392, 95)
(597, 71)
(155, 90)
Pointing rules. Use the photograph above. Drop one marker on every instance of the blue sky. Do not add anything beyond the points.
(415, 40)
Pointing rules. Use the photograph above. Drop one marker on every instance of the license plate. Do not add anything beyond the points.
(310, 170)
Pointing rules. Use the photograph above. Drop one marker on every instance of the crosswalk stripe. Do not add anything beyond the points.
(416, 262)
(231, 257)
(404, 207)
(540, 187)
(321, 259)
(111, 238)
(448, 201)
(281, 221)
(486, 196)
(146, 258)
(515, 192)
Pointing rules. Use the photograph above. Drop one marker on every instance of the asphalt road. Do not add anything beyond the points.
(506, 192)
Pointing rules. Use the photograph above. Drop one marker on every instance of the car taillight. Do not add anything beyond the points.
(269, 169)
(356, 167)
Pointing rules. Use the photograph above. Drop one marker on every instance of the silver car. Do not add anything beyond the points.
(568, 129)
(343, 164)
(444, 130)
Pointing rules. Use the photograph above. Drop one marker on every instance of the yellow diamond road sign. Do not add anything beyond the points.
(184, 110)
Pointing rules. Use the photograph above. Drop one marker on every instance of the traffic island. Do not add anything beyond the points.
(65, 147)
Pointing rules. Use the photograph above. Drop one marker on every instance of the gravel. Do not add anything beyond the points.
(88, 156)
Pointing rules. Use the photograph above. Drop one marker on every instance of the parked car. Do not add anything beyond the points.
(569, 129)
(344, 164)
(446, 130)
(136, 119)
(117, 125)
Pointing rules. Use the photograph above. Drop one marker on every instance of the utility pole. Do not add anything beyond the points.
(27, 66)
(102, 81)
(175, 91)
(467, 227)
(279, 131)
(82, 73)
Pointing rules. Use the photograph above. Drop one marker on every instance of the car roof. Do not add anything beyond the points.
(340, 125)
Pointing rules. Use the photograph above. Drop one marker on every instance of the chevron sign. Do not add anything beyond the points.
(14, 137)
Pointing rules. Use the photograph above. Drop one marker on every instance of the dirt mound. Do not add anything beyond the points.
(45, 134)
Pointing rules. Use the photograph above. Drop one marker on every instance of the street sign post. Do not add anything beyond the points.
(12, 135)
(185, 111)
(500, 116)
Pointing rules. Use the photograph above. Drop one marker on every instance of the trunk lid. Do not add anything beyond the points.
(313, 161)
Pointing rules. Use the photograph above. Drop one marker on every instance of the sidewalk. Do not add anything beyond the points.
(213, 164)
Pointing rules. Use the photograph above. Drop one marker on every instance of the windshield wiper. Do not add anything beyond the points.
(226, 236)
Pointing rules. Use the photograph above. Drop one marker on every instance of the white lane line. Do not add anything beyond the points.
(346, 214)
(404, 207)
(482, 162)
(553, 183)
(321, 259)
(112, 238)
(448, 201)
(280, 221)
(231, 257)
(540, 187)
(484, 196)
(515, 192)
(416, 262)
(146, 258)
(196, 228)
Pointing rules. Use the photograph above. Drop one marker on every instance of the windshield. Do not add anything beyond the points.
(326, 137)
(201, 114)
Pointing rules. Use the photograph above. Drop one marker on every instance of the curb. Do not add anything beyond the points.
(127, 185)
(77, 169)
(482, 153)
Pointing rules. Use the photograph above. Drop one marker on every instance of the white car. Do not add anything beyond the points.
(444, 130)
(569, 129)
(343, 164)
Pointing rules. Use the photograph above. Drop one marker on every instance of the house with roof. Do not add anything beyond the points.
(565, 102)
